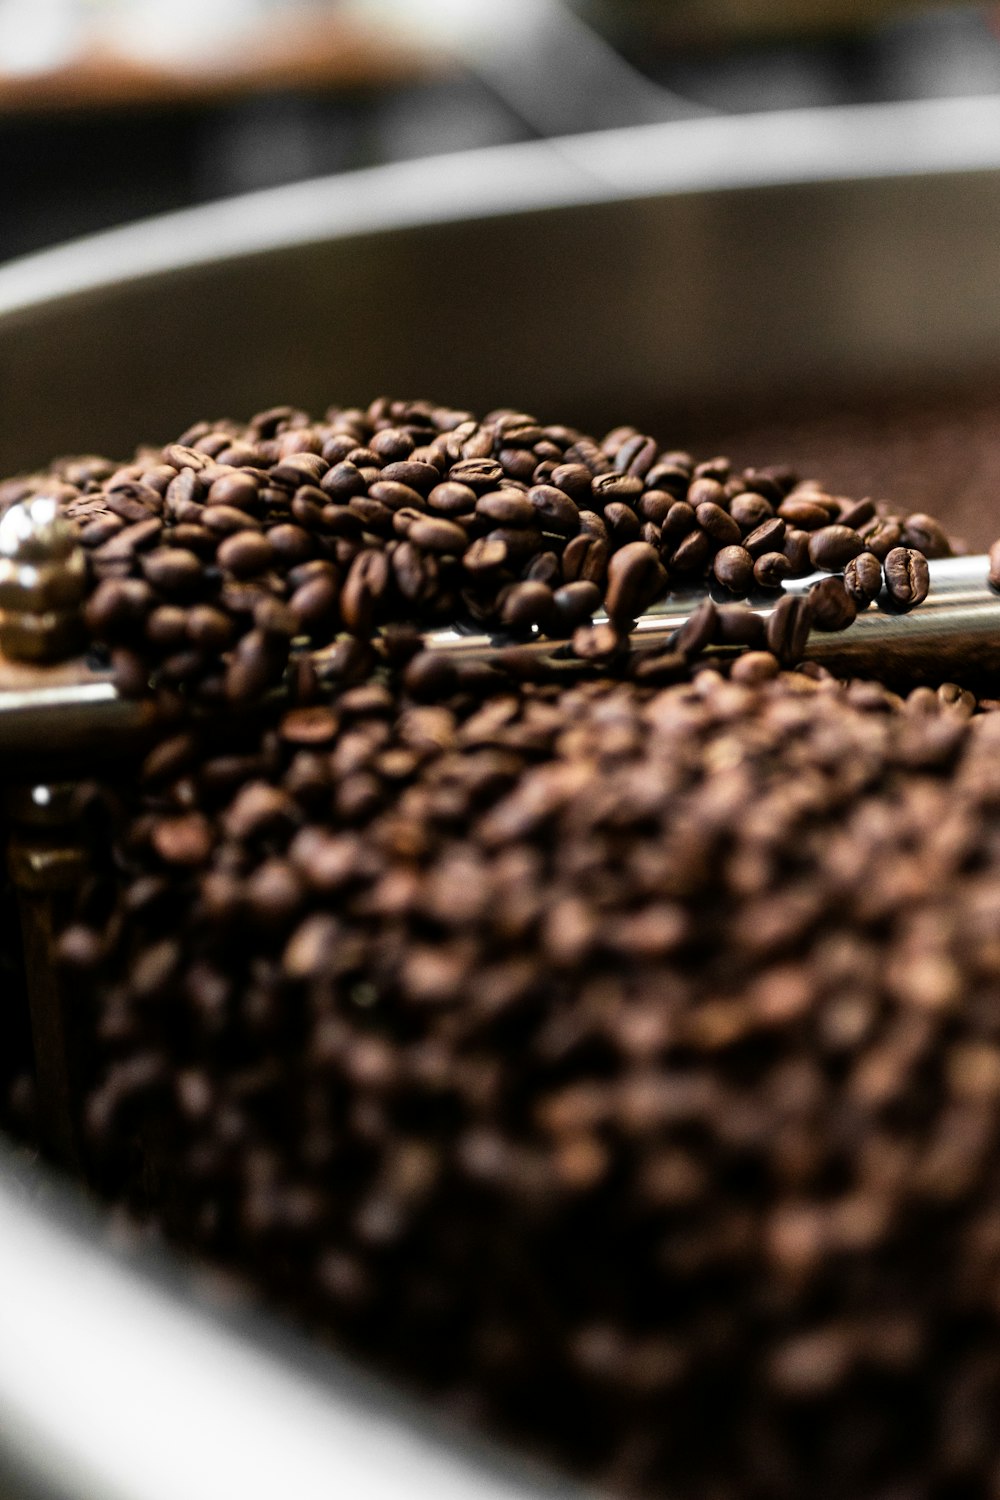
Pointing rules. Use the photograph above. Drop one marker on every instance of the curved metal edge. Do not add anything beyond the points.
(772, 148)
(118, 1381)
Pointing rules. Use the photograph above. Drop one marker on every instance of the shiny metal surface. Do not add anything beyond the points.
(667, 268)
(955, 632)
(599, 277)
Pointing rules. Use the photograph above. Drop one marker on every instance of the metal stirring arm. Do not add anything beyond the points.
(72, 708)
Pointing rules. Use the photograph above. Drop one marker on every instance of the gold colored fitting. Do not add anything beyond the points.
(43, 577)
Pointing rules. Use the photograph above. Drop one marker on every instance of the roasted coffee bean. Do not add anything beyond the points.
(881, 535)
(733, 567)
(435, 534)
(635, 579)
(225, 520)
(717, 523)
(364, 588)
(692, 554)
(554, 509)
(788, 627)
(245, 553)
(737, 625)
(769, 536)
(863, 579)
(622, 523)
(173, 570)
(526, 605)
(907, 579)
(923, 533)
(343, 481)
(678, 523)
(803, 513)
(698, 631)
(832, 547)
(796, 549)
(832, 606)
(750, 510)
(506, 508)
(585, 558)
(771, 569)
(573, 605)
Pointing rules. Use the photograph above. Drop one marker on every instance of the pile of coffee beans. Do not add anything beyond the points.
(619, 1062)
(606, 1042)
(211, 558)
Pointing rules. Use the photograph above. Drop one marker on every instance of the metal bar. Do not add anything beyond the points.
(955, 632)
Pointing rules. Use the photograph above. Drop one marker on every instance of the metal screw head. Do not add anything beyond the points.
(43, 577)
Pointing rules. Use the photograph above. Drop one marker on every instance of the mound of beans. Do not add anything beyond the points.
(211, 559)
(605, 1043)
(620, 1063)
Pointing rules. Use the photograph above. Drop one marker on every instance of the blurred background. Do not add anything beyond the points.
(112, 109)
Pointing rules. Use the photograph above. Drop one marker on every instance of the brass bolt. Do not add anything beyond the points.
(43, 576)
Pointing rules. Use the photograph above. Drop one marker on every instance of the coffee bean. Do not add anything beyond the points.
(573, 605)
(863, 579)
(245, 553)
(832, 606)
(635, 579)
(698, 631)
(750, 510)
(554, 509)
(185, 840)
(803, 514)
(907, 579)
(526, 605)
(227, 520)
(769, 536)
(505, 508)
(923, 533)
(364, 588)
(833, 547)
(733, 567)
(692, 554)
(173, 570)
(717, 523)
(788, 627)
(435, 534)
(771, 569)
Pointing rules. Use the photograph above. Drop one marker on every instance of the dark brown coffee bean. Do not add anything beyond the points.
(832, 547)
(635, 579)
(167, 626)
(804, 514)
(314, 604)
(750, 510)
(127, 543)
(755, 667)
(856, 513)
(573, 480)
(343, 481)
(698, 631)
(554, 510)
(622, 523)
(207, 628)
(923, 534)
(718, 524)
(771, 569)
(733, 567)
(574, 604)
(907, 579)
(309, 726)
(297, 469)
(881, 535)
(605, 487)
(833, 608)
(692, 554)
(738, 625)
(788, 627)
(585, 558)
(117, 607)
(863, 579)
(435, 534)
(480, 474)
(705, 490)
(245, 554)
(255, 665)
(173, 570)
(678, 523)
(226, 520)
(796, 549)
(396, 496)
(505, 508)
(769, 536)
(291, 544)
(239, 491)
(525, 605)
(364, 589)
